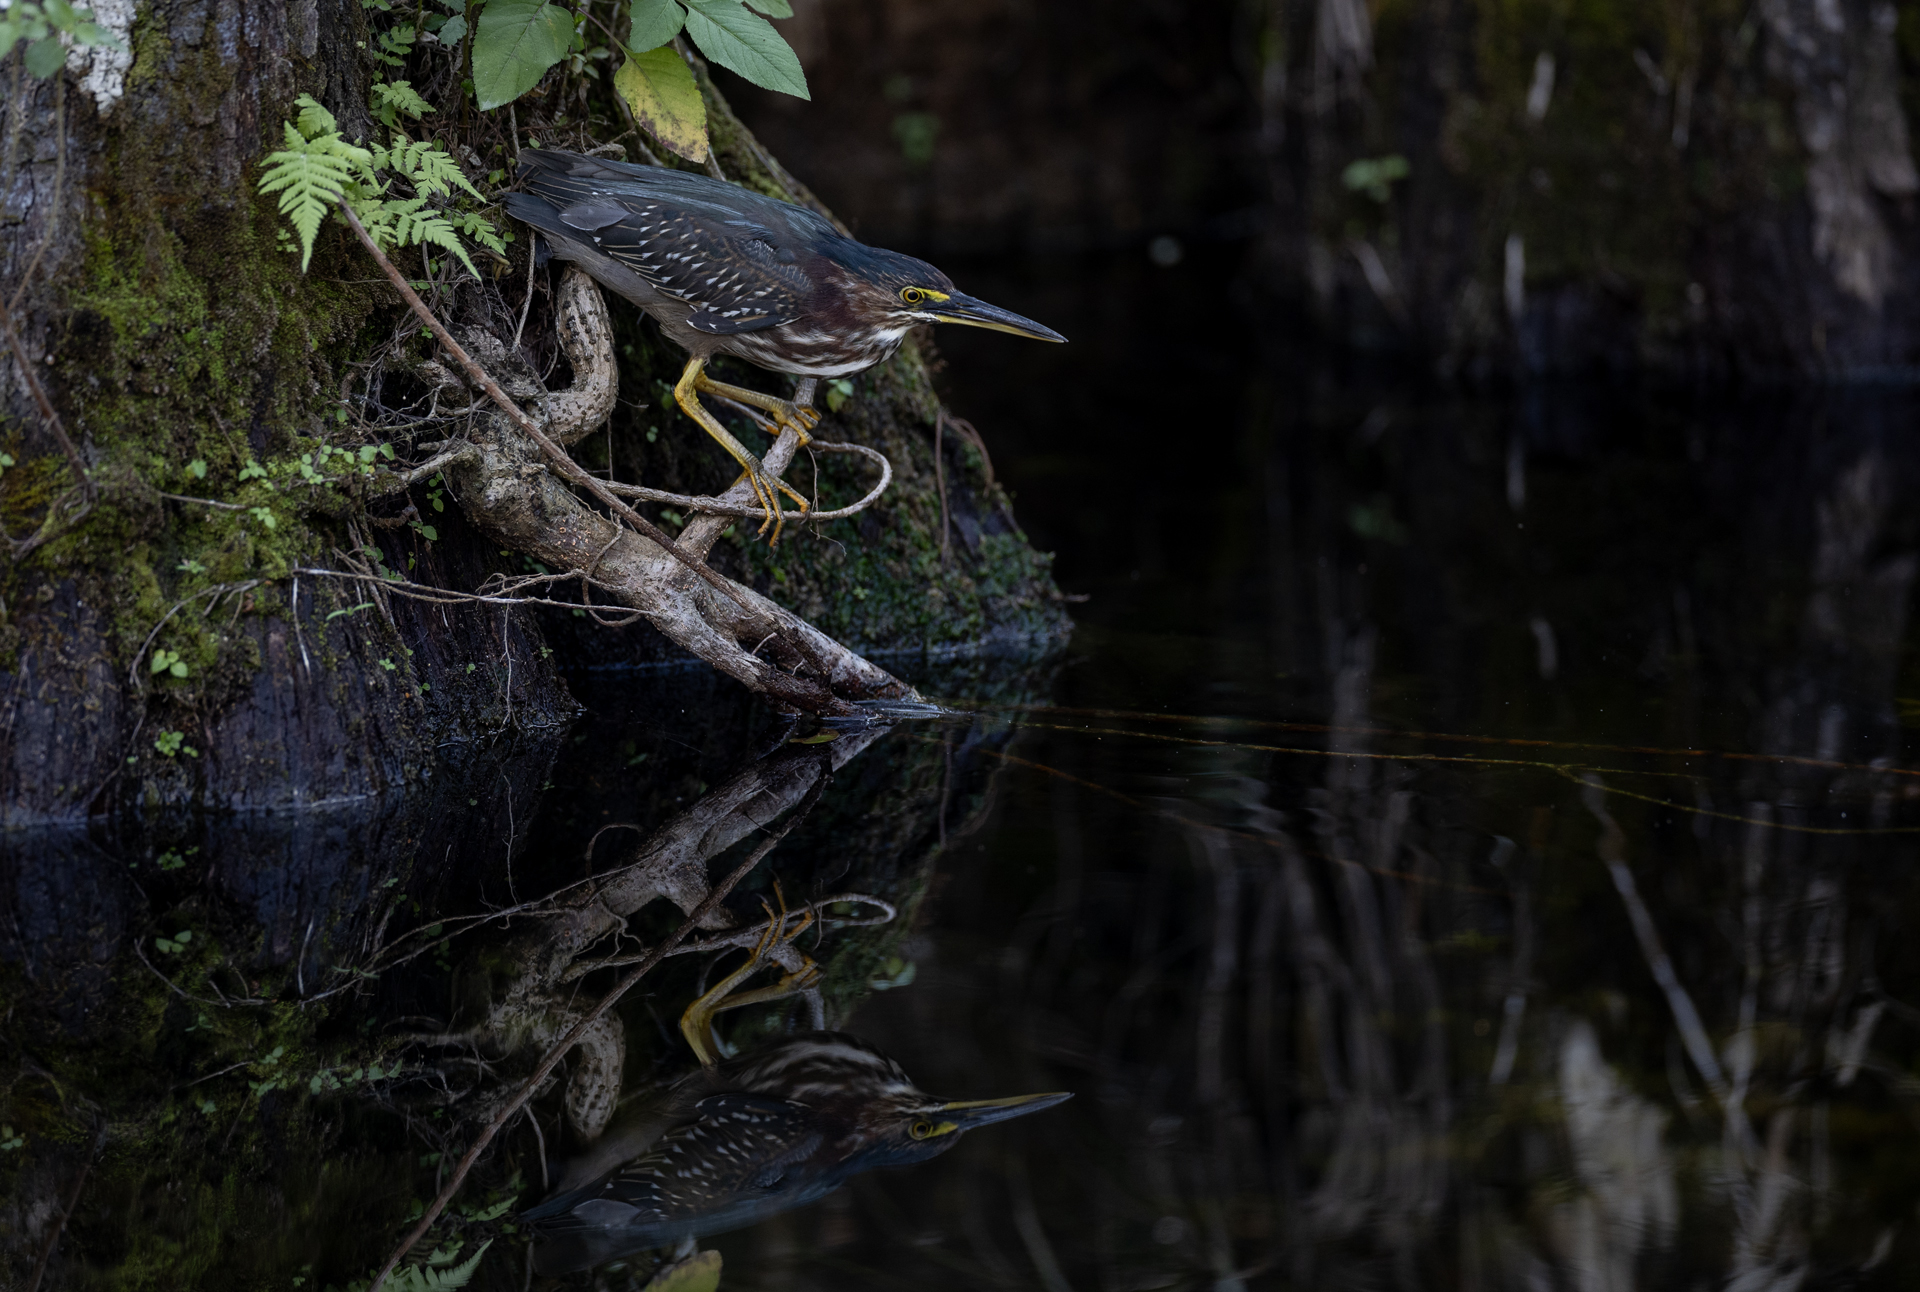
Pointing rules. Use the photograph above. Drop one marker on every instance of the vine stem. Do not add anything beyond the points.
(566, 1043)
(563, 464)
(45, 404)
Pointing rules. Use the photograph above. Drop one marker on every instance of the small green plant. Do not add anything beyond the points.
(169, 662)
(47, 29)
(839, 391)
(273, 1077)
(191, 566)
(438, 1274)
(916, 132)
(174, 945)
(11, 1140)
(1374, 176)
(171, 860)
(169, 743)
(319, 169)
(329, 1079)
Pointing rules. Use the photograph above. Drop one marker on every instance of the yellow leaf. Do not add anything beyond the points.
(659, 88)
(698, 1273)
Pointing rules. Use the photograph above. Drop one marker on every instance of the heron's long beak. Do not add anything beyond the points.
(965, 309)
(985, 1112)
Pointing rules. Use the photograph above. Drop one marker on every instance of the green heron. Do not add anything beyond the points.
(742, 1139)
(725, 270)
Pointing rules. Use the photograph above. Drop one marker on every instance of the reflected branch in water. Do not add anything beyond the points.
(560, 1048)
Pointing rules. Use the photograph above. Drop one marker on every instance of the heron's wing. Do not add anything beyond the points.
(735, 1151)
(727, 252)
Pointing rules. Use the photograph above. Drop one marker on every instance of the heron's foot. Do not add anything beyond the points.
(786, 414)
(696, 1024)
(765, 490)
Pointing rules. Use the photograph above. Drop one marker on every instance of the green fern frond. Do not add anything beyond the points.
(392, 47)
(433, 170)
(474, 225)
(417, 1278)
(311, 174)
(314, 120)
(390, 101)
(431, 228)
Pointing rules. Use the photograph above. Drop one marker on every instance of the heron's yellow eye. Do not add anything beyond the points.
(922, 1129)
(913, 296)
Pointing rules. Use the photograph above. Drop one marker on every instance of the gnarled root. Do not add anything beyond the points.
(505, 488)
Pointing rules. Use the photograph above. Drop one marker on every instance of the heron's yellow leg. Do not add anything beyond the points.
(696, 1024)
(763, 485)
(784, 412)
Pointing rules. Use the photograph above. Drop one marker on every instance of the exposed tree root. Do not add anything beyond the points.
(514, 482)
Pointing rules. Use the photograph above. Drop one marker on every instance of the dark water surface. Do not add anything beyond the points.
(1469, 844)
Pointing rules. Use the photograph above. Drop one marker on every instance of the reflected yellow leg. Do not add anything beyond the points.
(763, 485)
(784, 412)
(696, 1024)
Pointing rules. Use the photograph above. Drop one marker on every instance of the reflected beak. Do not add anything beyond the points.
(985, 1112)
(965, 309)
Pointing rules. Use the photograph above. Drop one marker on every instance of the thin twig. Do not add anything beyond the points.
(714, 506)
(223, 1003)
(204, 502)
(60, 1221)
(448, 597)
(45, 405)
(299, 635)
(425, 470)
(564, 465)
(566, 1043)
(527, 304)
(133, 669)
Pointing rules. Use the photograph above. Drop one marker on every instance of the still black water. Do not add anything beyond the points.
(1469, 843)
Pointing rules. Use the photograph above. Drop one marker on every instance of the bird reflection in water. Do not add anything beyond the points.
(742, 1139)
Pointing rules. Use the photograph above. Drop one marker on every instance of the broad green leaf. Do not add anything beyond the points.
(655, 22)
(454, 31)
(772, 8)
(514, 44)
(45, 56)
(746, 43)
(659, 88)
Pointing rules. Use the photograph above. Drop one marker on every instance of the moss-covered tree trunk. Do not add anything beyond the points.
(162, 649)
